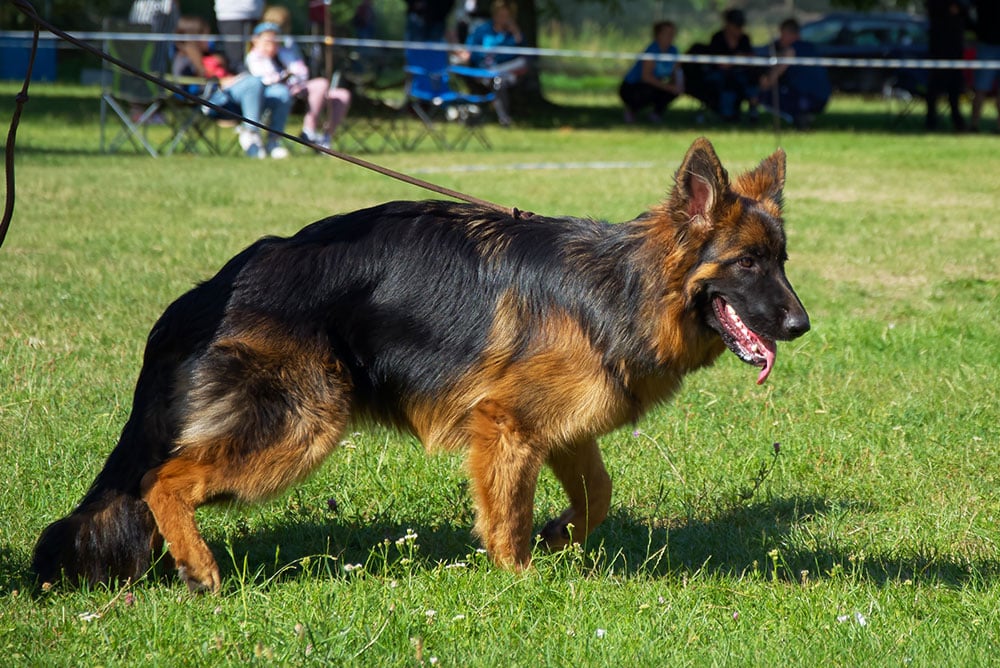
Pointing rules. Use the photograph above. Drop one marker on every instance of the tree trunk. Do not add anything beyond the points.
(528, 93)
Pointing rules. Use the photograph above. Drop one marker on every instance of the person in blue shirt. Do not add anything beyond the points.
(501, 30)
(654, 83)
(504, 69)
(802, 90)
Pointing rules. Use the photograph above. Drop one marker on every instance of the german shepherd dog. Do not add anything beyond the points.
(519, 339)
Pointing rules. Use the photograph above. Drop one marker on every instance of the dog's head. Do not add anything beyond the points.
(737, 285)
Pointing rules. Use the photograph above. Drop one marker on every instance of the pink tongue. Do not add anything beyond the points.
(770, 352)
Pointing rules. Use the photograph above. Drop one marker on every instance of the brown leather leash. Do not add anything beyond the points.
(28, 10)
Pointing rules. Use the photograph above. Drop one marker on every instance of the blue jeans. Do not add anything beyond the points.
(245, 96)
(278, 100)
(251, 98)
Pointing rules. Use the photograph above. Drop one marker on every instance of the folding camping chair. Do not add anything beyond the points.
(904, 92)
(135, 102)
(195, 126)
(372, 126)
(430, 96)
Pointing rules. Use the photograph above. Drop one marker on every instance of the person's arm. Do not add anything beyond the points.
(187, 62)
(515, 32)
(293, 62)
(678, 79)
(771, 77)
(649, 76)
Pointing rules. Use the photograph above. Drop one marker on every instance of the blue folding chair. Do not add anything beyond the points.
(430, 96)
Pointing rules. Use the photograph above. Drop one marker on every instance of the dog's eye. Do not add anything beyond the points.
(746, 262)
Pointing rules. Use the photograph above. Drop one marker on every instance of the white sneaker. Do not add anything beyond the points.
(251, 144)
(321, 139)
(277, 151)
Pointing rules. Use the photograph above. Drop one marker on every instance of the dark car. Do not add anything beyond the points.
(867, 35)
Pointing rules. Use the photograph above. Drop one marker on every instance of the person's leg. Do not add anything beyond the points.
(729, 95)
(248, 93)
(339, 102)
(278, 102)
(246, 97)
(661, 100)
(955, 87)
(977, 109)
(930, 118)
(749, 91)
(316, 90)
(631, 98)
(501, 104)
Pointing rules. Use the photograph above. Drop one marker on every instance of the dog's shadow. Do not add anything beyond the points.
(768, 538)
(338, 547)
(775, 539)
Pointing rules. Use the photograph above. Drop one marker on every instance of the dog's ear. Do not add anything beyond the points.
(700, 183)
(766, 182)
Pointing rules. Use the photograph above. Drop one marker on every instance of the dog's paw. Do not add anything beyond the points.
(198, 583)
(557, 534)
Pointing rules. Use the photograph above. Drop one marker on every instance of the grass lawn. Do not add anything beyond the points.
(870, 538)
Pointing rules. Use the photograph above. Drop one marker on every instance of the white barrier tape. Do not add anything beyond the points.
(535, 166)
(757, 61)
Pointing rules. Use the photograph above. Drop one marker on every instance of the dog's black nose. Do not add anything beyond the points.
(796, 323)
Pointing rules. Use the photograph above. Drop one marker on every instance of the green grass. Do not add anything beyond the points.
(870, 539)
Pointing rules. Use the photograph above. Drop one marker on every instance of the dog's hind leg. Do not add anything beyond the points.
(581, 471)
(261, 412)
(173, 492)
(504, 467)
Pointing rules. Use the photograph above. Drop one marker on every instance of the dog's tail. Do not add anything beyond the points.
(112, 534)
(110, 538)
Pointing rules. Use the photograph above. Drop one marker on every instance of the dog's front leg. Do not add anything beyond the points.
(581, 471)
(504, 466)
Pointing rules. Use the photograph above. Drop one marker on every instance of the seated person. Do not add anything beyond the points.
(501, 30)
(653, 82)
(326, 107)
(802, 91)
(240, 93)
(262, 62)
(734, 83)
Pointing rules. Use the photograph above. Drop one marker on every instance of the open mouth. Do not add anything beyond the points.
(748, 346)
